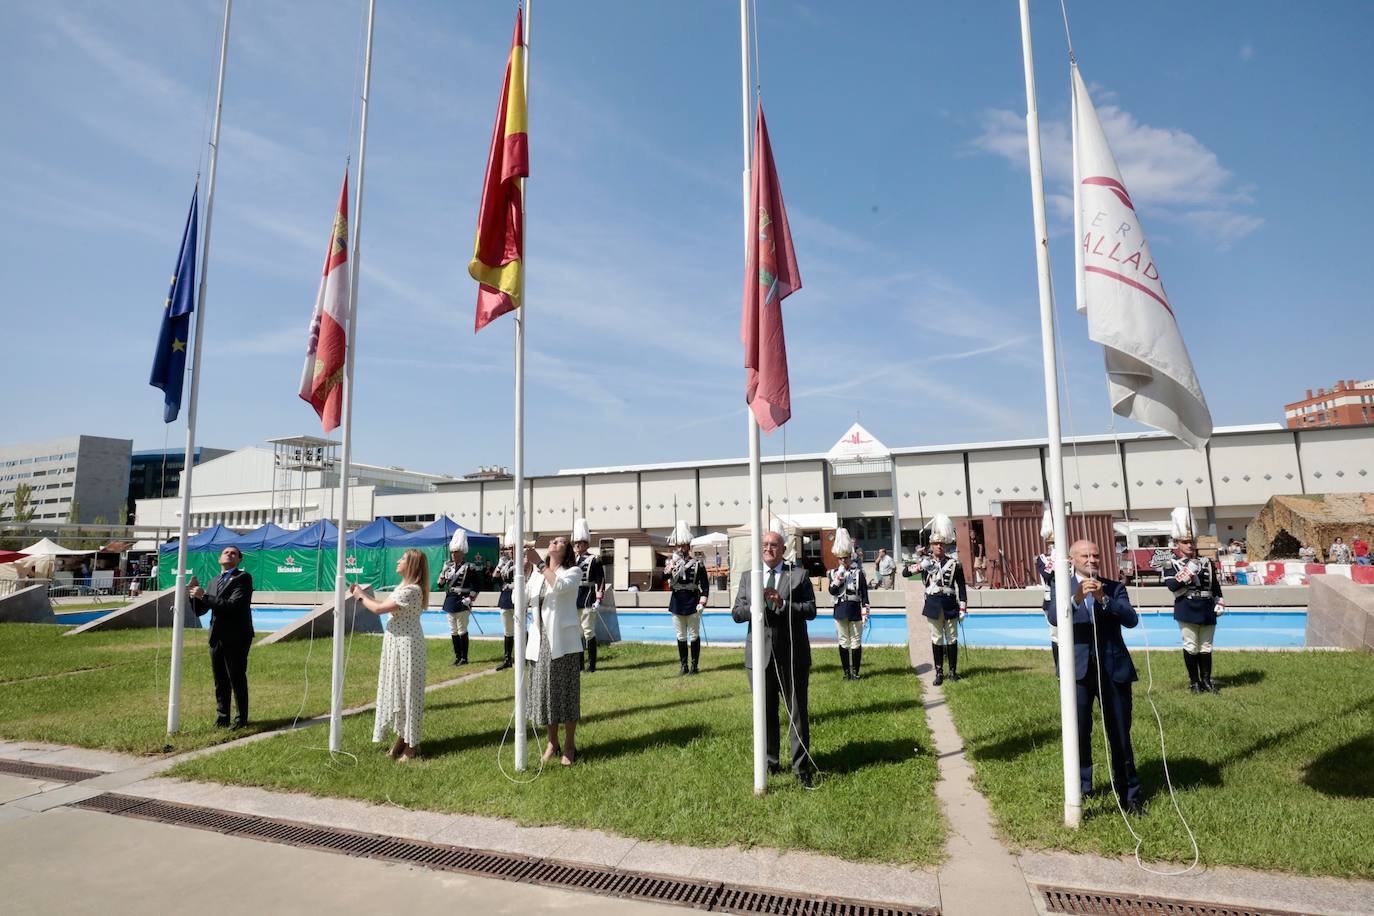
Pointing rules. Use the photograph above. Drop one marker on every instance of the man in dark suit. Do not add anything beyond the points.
(789, 602)
(229, 599)
(1102, 668)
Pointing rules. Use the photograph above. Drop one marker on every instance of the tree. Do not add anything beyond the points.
(23, 504)
(74, 513)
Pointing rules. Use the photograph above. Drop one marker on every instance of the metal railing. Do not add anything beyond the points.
(124, 587)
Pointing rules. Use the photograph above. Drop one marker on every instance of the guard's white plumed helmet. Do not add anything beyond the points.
(682, 534)
(459, 541)
(777, 527)
(941, 530)
(844, 544)
(1047, 526)
(509, 539)
(581, 531)
(1182, 522)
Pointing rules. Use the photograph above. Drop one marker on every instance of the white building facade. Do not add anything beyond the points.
(882, 494)
(91, 472)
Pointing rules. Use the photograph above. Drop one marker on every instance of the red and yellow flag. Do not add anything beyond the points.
(322, 379)
(501, 220)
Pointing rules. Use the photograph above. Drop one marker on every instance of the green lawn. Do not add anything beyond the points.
(1276, 773)
(109, 690)
(660, 757)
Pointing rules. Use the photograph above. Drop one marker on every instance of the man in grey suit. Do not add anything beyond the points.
(789, 603)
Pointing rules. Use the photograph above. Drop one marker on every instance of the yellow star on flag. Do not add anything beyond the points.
(178, 346)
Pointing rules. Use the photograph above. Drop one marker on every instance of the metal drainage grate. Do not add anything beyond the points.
(608, 882)
(46, 772)
(1099, 903)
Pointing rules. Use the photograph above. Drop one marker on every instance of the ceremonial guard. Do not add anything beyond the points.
(461, 581)
(1197, 602)
(1044, 569)
(946, 598)
(590, 592)
(690, 584)
(505, 575)
(849, 586)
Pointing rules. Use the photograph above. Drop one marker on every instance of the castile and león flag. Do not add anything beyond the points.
(322, 379)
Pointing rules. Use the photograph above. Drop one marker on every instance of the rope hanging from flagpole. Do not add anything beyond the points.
(1068, 38)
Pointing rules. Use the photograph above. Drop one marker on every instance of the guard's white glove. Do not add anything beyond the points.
(467, 603)
(701, 604)
(1221, 607)
(1184, 574)
(865, 612)
(963, 610)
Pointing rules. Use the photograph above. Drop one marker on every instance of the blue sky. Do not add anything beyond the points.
(1242, 130)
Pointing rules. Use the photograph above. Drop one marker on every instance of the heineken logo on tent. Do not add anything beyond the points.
(290, 566)
(351, 566)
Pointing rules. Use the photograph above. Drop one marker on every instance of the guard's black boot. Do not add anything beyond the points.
(939, 665)
(463, 658)
(855, 656)
(953, 651)
(457, 648)
(591, 655)
(682, 657)
(844, 662)
(508, 646)
(1194, 677)
(696, 656)
(1204, 664)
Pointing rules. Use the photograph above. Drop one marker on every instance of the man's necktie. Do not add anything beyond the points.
(772, 579)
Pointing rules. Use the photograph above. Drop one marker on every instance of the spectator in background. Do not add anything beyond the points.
(1361, 551)
(885, 568)
(1307, 553)
(1341, 552)
(1236, 549)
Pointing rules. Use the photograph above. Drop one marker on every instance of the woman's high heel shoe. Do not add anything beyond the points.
(551, 751)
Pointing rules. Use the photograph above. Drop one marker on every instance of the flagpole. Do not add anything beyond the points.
(1068, 707)
(341, 564)
(183, 553)
(518, 550)
(759, 643)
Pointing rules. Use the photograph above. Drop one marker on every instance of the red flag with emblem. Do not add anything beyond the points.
(322, 378)
(770, 275)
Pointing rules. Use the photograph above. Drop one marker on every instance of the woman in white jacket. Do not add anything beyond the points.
(554, 647)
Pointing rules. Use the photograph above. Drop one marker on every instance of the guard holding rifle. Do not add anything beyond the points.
(590, 592)
(690, 584)
(1197, 602)
(461, 581)
(946, 598)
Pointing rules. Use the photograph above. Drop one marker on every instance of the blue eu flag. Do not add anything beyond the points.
(169, 362)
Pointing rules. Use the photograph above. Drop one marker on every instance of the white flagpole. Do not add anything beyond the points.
(355, 258)
(518, 550)
(759, 658)
(1068, 707)
(183, 554)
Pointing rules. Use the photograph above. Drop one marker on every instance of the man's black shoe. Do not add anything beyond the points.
(804, 777)
(222, 722)
(1134, 809)
(774, 768)
(238, 724)
(1195, 687)
(954, 675)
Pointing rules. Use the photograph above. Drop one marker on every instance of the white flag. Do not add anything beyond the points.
(1150, 376)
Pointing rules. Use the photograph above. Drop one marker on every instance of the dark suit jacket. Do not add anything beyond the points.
(231, 609)
(786, 631)
(1113, 613)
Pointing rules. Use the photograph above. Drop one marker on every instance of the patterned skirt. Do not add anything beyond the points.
(555, 687)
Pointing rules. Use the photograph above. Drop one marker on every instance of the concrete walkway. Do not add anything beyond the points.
(980, 878)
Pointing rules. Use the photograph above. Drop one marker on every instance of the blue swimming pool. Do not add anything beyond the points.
(1237, 630)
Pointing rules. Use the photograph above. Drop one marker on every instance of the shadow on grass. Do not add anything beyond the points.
(606, 662)
(856, 755)
(467, 704)
(1344, 771)
(590, 749)
(1245, 678)
(1185, 773)
(650, 707)
(1014, 746)
(844, 712)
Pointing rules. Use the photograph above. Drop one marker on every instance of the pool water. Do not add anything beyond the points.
(1237, 630)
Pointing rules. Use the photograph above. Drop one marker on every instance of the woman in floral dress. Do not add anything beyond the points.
(401, 678)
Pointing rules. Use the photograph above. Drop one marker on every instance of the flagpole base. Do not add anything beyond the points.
(1073, 816)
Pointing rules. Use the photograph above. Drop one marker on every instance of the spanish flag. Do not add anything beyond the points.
(501, 220)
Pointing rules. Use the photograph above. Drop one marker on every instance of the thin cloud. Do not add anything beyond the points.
(1169, 170)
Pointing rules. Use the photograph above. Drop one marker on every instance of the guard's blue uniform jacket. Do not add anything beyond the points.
(1195, 600)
